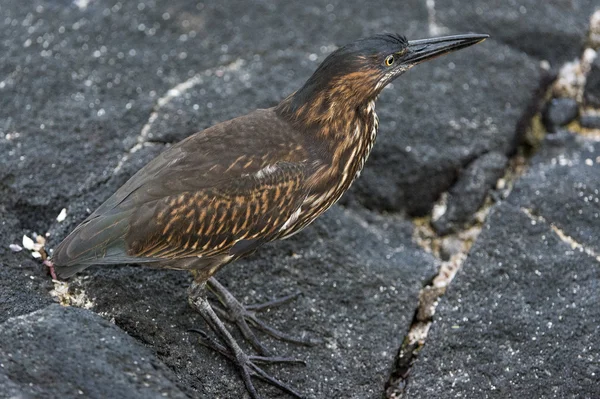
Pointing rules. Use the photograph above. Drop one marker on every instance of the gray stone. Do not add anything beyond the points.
(590, 121)
(562, 186)
(591, 93)
(553, 31)
(467, 195)
(559, 112)
(76, 101)
(61, 352)
(23, 285)
(521, 318)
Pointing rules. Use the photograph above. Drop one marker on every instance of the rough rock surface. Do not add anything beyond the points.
(521, 319)
(67, 352)
(590, 121)
(591, 94)
(554, 31)
(469, 192)
(90, 91)
(559, 112)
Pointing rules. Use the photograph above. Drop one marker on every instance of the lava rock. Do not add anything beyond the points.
(521, 317)
(554, 31)
(590, 121)
(468, 194)
(591, 94)
(559, 112)
(24, 284)
(92, 92)
(61, 352)
(85, 84)
(565, 185)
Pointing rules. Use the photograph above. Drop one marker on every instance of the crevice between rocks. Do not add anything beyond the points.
(452, 250)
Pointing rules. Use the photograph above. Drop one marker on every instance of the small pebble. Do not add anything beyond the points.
(62, 215)
(27, 243)
(450, 245)
(591, 95)
(560, 111)
(15, 248)
(590, 121)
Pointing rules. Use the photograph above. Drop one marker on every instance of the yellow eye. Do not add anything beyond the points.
(389, 60)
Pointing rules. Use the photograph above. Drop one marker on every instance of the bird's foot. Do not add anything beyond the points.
(242, 315)
(247, 365)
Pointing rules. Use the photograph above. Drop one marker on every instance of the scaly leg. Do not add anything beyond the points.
(246, 364)
(241, 315)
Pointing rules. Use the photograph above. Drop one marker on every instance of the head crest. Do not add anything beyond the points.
(394, 38)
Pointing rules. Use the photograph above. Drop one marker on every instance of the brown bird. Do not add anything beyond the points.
(223, 192)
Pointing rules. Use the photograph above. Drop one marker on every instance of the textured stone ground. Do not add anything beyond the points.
(92, 90)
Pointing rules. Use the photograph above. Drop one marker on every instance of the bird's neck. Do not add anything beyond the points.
(345, 126)
(333, 113)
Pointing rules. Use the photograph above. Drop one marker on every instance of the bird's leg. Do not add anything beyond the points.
(231, 350)
(241, 315)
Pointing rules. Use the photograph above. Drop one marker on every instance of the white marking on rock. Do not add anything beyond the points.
(81, 4)
(564, 237)
(171, 94)
(435, 29)
(76, 297)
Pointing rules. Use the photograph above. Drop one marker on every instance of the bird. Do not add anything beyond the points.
(223, 192)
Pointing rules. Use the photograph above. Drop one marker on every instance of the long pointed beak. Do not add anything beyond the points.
(427, 49)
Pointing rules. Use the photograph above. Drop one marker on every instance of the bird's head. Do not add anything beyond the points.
(355, 74)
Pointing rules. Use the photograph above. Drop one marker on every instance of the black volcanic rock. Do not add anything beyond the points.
(467, 195)
(559, 112)
(591, 93)
(59, 352)
(521, 318)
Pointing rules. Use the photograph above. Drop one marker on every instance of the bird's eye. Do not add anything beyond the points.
(389, 60)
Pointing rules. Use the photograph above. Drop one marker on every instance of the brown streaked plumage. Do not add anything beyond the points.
(222, 193)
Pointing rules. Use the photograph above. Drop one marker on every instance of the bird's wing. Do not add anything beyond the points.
(215, 156)
(211, 194)
(231, 219)
(227, 220)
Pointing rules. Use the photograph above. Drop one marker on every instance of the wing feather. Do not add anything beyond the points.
(210, 222)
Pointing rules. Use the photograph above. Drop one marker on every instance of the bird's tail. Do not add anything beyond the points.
(100, 240)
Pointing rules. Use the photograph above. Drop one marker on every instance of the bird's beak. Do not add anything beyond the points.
(427, 49)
